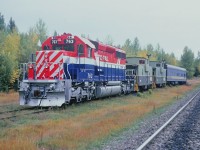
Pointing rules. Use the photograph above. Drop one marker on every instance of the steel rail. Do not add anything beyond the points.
(14, 116)
(16, 110)
(164, 125)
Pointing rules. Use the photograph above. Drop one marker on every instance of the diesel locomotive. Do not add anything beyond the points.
(72, 69)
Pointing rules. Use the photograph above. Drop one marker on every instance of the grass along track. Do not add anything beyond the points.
(80, 126)
(9, 99)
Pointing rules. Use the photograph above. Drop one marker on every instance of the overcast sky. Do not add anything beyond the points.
(173, 24)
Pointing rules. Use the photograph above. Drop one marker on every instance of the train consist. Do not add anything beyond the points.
(72, 69)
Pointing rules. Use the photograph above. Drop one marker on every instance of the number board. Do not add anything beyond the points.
(54, 41)
(69, 41)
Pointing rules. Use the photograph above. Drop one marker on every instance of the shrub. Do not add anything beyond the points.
(150, 91)
(139, 94)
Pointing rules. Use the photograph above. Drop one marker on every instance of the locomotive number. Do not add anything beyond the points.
(69, 41)
(103, 58)
(54, 41)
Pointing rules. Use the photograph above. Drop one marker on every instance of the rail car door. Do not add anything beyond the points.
(154, 75)
(80, 69)
(100, 66)
(89, 63)
(102, 69)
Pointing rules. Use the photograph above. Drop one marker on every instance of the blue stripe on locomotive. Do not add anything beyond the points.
(85, 72)
(175, 74)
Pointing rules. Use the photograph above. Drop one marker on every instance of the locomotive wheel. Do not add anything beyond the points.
(63, 106)
(79, 99)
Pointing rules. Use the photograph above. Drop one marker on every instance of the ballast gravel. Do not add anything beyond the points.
(183, 132)
(133, 137)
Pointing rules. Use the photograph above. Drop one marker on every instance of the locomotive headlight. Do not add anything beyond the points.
(27, 87)
(52, 87)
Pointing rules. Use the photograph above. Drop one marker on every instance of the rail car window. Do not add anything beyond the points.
(68, 47)
(80, 49)
(123, 56)
(157, 65)
(89, 52)
(46, 47)
(130, 72)
(96, 44)
(141, 61)
(120, 55)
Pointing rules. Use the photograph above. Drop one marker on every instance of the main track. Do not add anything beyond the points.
(152, 139)
(153, 131)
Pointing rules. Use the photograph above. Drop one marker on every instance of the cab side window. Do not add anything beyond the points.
(89, 52)
(80, 49)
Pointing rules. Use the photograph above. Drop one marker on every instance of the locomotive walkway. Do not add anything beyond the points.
(168, 130)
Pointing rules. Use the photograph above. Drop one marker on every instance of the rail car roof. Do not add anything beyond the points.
(156, 61)
(136, 57)
(176, 67)
(86, 41)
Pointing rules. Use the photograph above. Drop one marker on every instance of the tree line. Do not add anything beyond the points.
(157, 53)
(16, 47)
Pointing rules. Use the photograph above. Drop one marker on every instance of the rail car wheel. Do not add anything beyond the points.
(79, 99)
(141, 89)
(89, 98)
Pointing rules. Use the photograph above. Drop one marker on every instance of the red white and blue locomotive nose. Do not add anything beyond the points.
(49, 64)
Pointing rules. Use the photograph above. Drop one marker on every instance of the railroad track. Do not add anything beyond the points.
(19, 112)
(16, 110)
(8, 105)
(153, 136)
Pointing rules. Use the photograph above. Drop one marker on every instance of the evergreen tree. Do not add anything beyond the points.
(197, 65)
(159, 52)
(41, 30)
(2, 23)
(150, 48)
(127, 47)
(55, 33)
(109, 40)
(135, 46)
(11, 25)
(187, 61)
(5, 71)
(28, 45)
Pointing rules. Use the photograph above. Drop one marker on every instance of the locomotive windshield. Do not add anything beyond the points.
(57, 47)
(68, 47)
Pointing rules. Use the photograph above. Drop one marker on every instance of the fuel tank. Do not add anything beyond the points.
(104, 91)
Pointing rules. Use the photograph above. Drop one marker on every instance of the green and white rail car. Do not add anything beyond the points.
(141, 71)
(159, 73)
